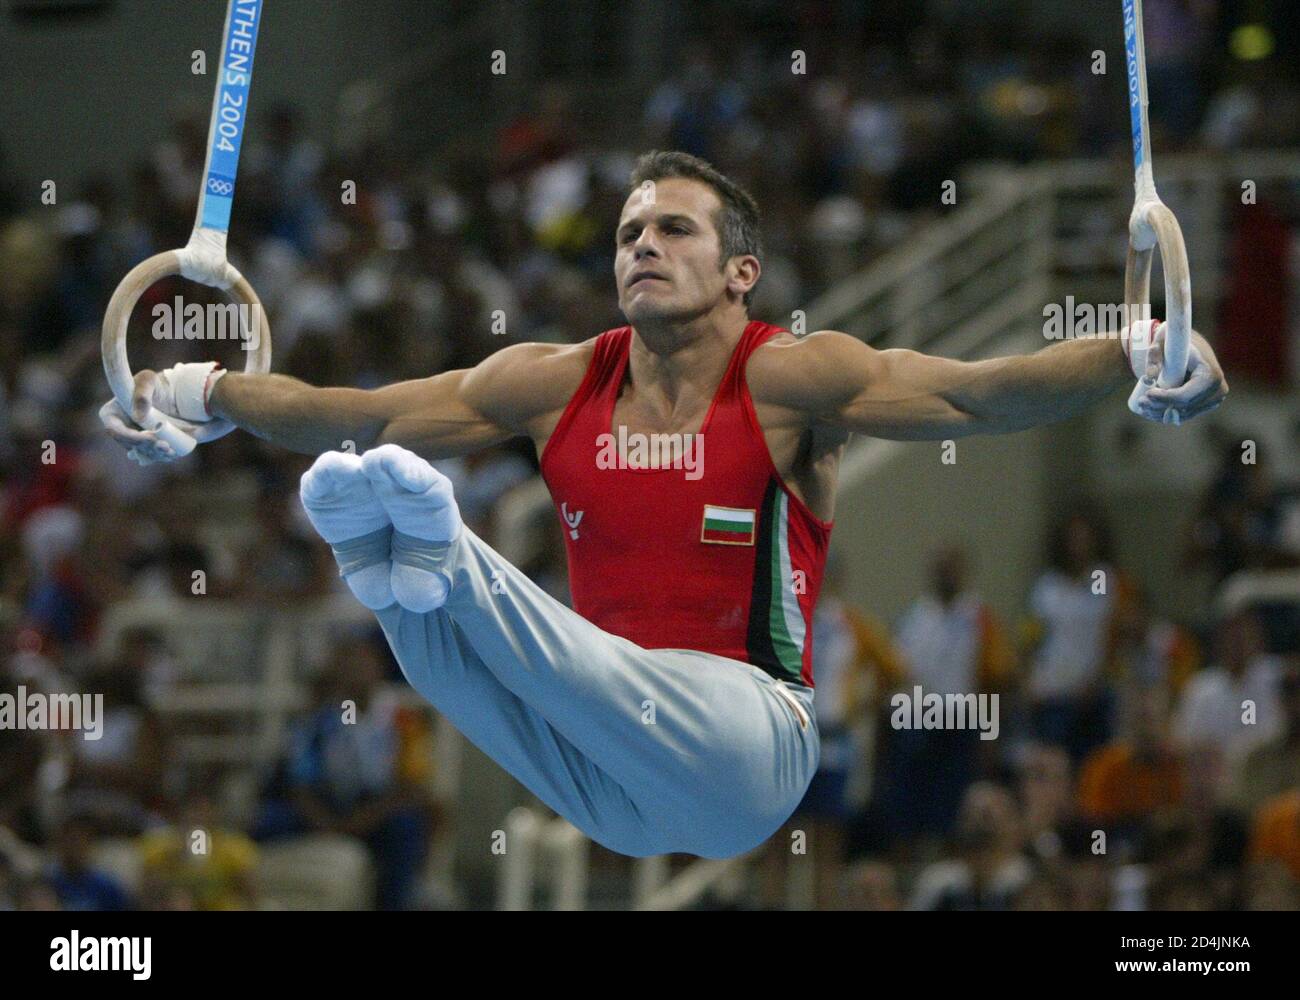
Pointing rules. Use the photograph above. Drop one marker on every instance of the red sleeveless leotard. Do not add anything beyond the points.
(729, 562)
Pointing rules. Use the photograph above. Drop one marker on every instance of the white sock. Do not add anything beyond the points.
(341, 505)
(420, 503)
(417, 497)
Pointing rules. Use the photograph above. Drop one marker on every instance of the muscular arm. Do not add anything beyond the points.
(431, 416)
(453, 413)
(837, 380)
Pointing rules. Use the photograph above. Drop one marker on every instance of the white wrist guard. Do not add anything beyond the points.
(1138, 339)
(191, 387)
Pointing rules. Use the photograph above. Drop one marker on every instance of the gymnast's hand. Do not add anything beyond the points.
(1204, 386)
(178, 395)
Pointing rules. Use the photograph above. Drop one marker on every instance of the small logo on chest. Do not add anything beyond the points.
(572, 520)
(728, 525)
(732, 619)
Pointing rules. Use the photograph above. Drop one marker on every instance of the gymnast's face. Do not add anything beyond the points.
(670, 234)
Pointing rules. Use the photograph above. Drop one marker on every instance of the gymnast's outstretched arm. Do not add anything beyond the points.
(835, 379)
(453, 413)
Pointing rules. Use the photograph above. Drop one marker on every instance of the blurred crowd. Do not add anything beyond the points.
(1139, 762)
(376, 268)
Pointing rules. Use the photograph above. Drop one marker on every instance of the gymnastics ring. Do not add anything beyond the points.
(118, 369)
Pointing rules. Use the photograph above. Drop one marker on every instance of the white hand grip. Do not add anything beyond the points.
(182, 444)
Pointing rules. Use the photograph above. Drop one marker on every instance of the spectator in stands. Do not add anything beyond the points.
(359, 766)
(692, 110)
(1073, 605)
(76, 882)
(1275, 833)
(1123, 782)
(1239, 523)
(58, 603)
(30, 259)
(1150, 650)
(1232, 707)
(282, 167)
(1274, 766)
(951, 642)
(197, 862)
(118, 778)
(989, 870)
(1046, 797)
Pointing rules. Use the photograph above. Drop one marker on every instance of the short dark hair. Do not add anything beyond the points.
(737, 221)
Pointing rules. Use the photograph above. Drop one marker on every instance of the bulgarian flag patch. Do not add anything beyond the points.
(728, 525)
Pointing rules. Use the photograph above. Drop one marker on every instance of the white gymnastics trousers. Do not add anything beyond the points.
(646, 751)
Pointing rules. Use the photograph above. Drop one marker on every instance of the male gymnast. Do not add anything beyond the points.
(671, 710)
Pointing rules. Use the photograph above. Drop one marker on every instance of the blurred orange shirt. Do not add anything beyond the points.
(1276, 833)
(1114, 784)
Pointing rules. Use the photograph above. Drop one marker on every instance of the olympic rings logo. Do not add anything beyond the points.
(220, 187)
